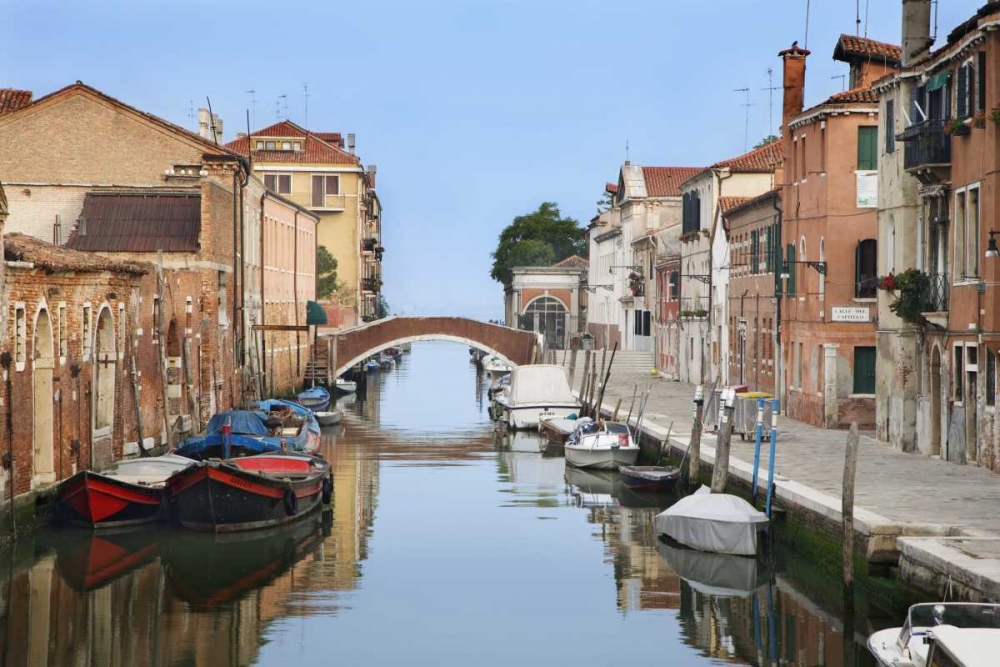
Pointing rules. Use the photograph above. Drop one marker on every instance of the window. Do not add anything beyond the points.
(270, 145)
(958, 374)
(286, 145)
(981, 81)
(960, 234)
(323, 187)
(297, 146)
(805, 157)
(867, 148)
(967, 233)
(260, 145)
(866, 269)
(88, 331)
(864, 370)
(156, 317)
(279, 183)
(965, 93)
(61, 329)
(991, 378)
(890, 125)
(674, 285)
(755, 251)
(690, 213)
(20, 336)
(796, 365)
(790, 267)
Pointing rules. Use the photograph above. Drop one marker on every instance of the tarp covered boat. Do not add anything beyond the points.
(537, 391)
(275, 426)
(715, 522)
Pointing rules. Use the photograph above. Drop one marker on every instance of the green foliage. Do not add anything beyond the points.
(913, 288)
(765, 141)
(326, 272)
(605, 203)
(383, 306)
(539, 238)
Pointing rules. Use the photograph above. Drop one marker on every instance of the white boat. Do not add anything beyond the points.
(405, 347)
(907, 646)
(496, 367)
(964, 647)
(714, 522)
(537, 391)
(602, 445)
(346, 386)
(329, 418)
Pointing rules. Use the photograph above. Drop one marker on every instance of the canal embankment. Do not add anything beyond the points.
(930, 523)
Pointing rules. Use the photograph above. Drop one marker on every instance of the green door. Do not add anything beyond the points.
(864, 370)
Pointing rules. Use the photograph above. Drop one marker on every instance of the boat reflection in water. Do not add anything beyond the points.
(88, 560)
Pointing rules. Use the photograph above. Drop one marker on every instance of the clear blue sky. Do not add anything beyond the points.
(475, 111)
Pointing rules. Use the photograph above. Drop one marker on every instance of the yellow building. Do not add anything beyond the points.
(316, 170)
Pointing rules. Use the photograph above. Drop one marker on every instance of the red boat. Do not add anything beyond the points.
(248, 492)
(129, 494)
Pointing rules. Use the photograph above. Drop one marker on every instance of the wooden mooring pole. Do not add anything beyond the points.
(847, 506)
(694, 446)
(720, 472)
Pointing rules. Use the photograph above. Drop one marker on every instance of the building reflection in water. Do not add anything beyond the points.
(161, 597)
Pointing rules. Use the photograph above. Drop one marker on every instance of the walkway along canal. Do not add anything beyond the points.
(444, 545)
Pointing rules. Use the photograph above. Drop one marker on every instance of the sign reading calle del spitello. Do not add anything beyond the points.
(850, 314)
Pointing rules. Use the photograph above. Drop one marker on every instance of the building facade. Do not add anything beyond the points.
(550, 300)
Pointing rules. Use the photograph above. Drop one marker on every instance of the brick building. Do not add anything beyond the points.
(666, 321)
(829, 239)
(550, 300)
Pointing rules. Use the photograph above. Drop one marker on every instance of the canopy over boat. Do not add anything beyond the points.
(967, 647)
(715, 522)
(540, 384)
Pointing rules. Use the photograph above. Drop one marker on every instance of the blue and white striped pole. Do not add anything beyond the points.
(770, 462)
(756, 449)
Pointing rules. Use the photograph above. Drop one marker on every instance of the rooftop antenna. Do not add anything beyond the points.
(191, 110)
(857, 18)
(626, 151)
(805, 42)
(843, 80)
(305, 102)
(770, 100)
(867, 2)
(277, 109)
(211, 120)
(746, 122)
(935, 3)
(253, 106)
(285, 103)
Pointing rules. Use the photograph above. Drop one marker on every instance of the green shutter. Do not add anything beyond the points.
(868, 148)
(791, 268)
(864, 370)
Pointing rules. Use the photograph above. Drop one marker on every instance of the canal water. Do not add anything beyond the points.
(444, 546)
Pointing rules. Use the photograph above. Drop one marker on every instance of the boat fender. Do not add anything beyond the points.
(291, 502)
(327, 490)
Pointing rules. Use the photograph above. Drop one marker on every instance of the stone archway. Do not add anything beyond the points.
(105, 371)
(936, 400)
(43, 418)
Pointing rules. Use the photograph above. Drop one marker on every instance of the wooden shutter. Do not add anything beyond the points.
(645, 323)
(981, 77)
(790, 252)
(867, 148)
(318, 191)
(332, 185)
(962, 95)
(890, 126)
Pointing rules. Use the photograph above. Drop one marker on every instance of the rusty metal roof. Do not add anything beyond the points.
(23, 248)
(138, 221)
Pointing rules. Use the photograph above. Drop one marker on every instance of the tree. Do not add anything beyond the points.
(383, 307)
(605, 203)
(326, 272)
(525, 240)
(765, 141)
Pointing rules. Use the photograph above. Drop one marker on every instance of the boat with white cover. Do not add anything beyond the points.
(908, 646)
(497, 368)
(602, 445)
(964, 647)
(537, 391)
(346, 386)
(714, 522)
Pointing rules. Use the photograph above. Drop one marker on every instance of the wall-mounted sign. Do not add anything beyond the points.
(850, 314)
(867, 189)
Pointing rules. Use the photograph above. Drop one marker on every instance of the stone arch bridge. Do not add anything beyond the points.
(344, 349)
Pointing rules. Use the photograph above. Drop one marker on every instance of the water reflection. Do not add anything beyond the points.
(444, 544)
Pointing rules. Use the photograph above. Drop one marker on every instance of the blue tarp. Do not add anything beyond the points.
(246, 422)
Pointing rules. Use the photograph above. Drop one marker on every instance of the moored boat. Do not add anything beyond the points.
(345, 386)
(964, 647)
(386, 361)
(248, 493)
(316, 399)
(537, 392)
(371, 366)
(907, 646)
(276, 426)
(329, 418)
(602, 445)
(715, 522)
(130, 493)
(649, 478)
(557, 430)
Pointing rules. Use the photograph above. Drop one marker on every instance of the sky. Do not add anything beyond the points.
(474, 111)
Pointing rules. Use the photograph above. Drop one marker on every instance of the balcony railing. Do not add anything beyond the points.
(371, 284)
(937, 297)
(927, 145)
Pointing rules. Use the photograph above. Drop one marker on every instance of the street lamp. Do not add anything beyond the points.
(786, 269)
(991, 248)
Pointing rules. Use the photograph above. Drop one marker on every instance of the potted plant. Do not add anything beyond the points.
(635, 283)
(956, 128)
(995, 115)
(979, 120)
(913, 288)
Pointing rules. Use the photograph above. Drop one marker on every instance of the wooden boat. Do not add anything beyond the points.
(316, 399)
(650, 478)
(557, 430)
(603, 445)
(345, 386)
(330, 418)
(371, 366)
(129, 494)
(274, 426)
(394, 352)
(907, 646)
(250, 492)
(386, 362)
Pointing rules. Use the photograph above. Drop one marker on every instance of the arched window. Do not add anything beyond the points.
(547, 316)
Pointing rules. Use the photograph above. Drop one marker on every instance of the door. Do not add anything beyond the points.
(864, 370)
(936, 400)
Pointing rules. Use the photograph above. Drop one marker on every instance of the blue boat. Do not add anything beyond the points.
(274, 426)
(371, 365)
(316, 399)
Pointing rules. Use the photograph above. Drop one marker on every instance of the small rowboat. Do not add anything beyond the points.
(346, 386)
(331, 418)
(316, 399)
(650, 478)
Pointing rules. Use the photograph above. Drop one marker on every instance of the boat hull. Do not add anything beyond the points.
(882, 645)
(346, 386)
(331, 418)
(636, 481)
(529, 416)
(100, 501)
(601, 458)
(217, 497)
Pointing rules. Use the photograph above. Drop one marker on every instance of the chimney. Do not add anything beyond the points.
(916, 30)
(794, 81)
(372, 170)
(217, 122)
(203, 124)
(241, 135)
(350, 143)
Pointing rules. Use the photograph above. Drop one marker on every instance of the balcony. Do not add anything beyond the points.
(371, 284)
(368, 244)
(928, 151)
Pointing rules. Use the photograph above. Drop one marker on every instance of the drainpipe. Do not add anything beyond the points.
(779, 384)
(295, 299)
(263, 300)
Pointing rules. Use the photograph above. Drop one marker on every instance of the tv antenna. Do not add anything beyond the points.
(746, 122)
(843, 80)
(770, 100)
(253, 106)
(283, 101)
(191, 110)
(305, 102)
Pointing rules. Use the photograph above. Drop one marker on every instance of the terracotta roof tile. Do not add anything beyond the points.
(141, 220)
(850, 47)
(666, 181)
(314, 150)
(11, 100)
(866, 95)
(574, 262)
(23, 248)
(727, 204)
(751, 201)
(759, 160)
(611, 187)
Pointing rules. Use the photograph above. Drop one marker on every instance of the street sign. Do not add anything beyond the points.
(850, 314)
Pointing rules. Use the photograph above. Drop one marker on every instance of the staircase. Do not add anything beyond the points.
(626, 363)
(318, 367)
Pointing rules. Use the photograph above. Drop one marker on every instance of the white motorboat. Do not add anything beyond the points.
(964, 647)
(497, 368)
(537, 391)
(329, 418)
(908, 646)
(346, 386)
(406, 347)
(714, 522)
(602, 445)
